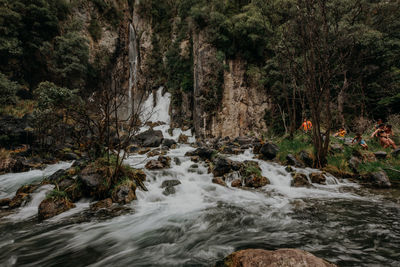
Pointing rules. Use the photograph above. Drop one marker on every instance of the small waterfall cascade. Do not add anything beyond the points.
(133, 66)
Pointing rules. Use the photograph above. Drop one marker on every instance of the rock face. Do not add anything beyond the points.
(277, 258)
(269, 151)
(149, 138)
(51, 207)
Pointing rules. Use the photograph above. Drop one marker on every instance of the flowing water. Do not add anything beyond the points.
(203, 222)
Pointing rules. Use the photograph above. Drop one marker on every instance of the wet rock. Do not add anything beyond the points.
(280, 257)
(65, 183)
(293, 161)
(139, 175)
(19, 200)
(165, 161)
(170, 183)
(102, 204)
(177, 161)
(306, 158)
(168, 142)
(202, 152)
(183, 139)
(149, 138)
(289, 169)
(75, 192)
(380, 155)
(170, 190)
(236, 183)
(219, 180)
(154, 165)
(396, 152)
(195, 158)
(379, 179)
(257, 147)
(51, 207)
(354, 162)
(153, 153)
(222, 166)
(256, 181)
(80, 163)
(57, 175)
(70, 156)
(93, 182)
(5, 202)
(143, 150)
(269, 151)
(132, 149)
(194, 166)
(299, 180)
(317, 178)
(124, 193)
(27, 189)
(336, 148)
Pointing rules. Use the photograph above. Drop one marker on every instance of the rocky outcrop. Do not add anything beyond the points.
(380, 154)
(251, 174)
(51, 207)
(280, 257)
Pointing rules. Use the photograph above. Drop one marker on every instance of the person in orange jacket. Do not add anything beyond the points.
(306, 125)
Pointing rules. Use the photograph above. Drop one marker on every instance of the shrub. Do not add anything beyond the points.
(8, 90)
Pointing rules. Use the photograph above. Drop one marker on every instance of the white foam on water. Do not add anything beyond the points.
(10, 182)
(31, 209)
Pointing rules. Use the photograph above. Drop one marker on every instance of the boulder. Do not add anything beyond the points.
(202, 152)
(222, 166)
(149, 138)
(243, 140)
(27, 189)
(256, 181)
(291, 160)
(380, 155)
(19, 200)
(306, 158)
(70, 156)
(170, 183)
(161, 163)
(299, 180)
(336, 148)
(380, 179)
(57, 175)
(102, 204)
(5, 202)
(269, 151)
(219, 180)
(51, 207)
(177, 161)
(354, 162)
(317, 178)
(124, 193)
(396, 152)
(65, 183)
(169, 190)
(236, 183)
(289, 169)
(280, 257)
(143, 150)
(93, 182)
(168, 142)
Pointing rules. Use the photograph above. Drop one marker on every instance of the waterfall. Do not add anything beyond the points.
(133, 66)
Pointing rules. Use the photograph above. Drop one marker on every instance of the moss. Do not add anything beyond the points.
(57, 194)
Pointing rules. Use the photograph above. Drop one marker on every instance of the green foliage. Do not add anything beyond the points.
(109, 11)
(57, 194)
(252, 170)
(294, 146)
(8, 89)
(51, 96)
(71, 58)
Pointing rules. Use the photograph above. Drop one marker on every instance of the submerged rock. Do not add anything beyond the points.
(51, 207)
(277, 258)
(269, 151)
(379, 179)
(5, 202)
(102, 204)
(170, 190)
(219, 180)
(169, 183)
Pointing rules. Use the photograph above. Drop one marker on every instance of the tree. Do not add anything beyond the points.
(8, 89)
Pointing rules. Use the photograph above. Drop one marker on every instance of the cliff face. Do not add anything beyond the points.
(221, 102)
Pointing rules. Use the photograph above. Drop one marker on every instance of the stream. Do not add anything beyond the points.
(203, 222)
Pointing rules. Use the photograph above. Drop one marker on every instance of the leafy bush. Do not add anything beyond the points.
(8, 90)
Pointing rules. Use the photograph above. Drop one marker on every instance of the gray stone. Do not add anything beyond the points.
(306, 158)
(170, 183)
(336, 148)
(380, 179)
(168, 142)
(380, 155)
(169, 191)
(354, 162)
(293, 161)
(269, 151)
(149, 138)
